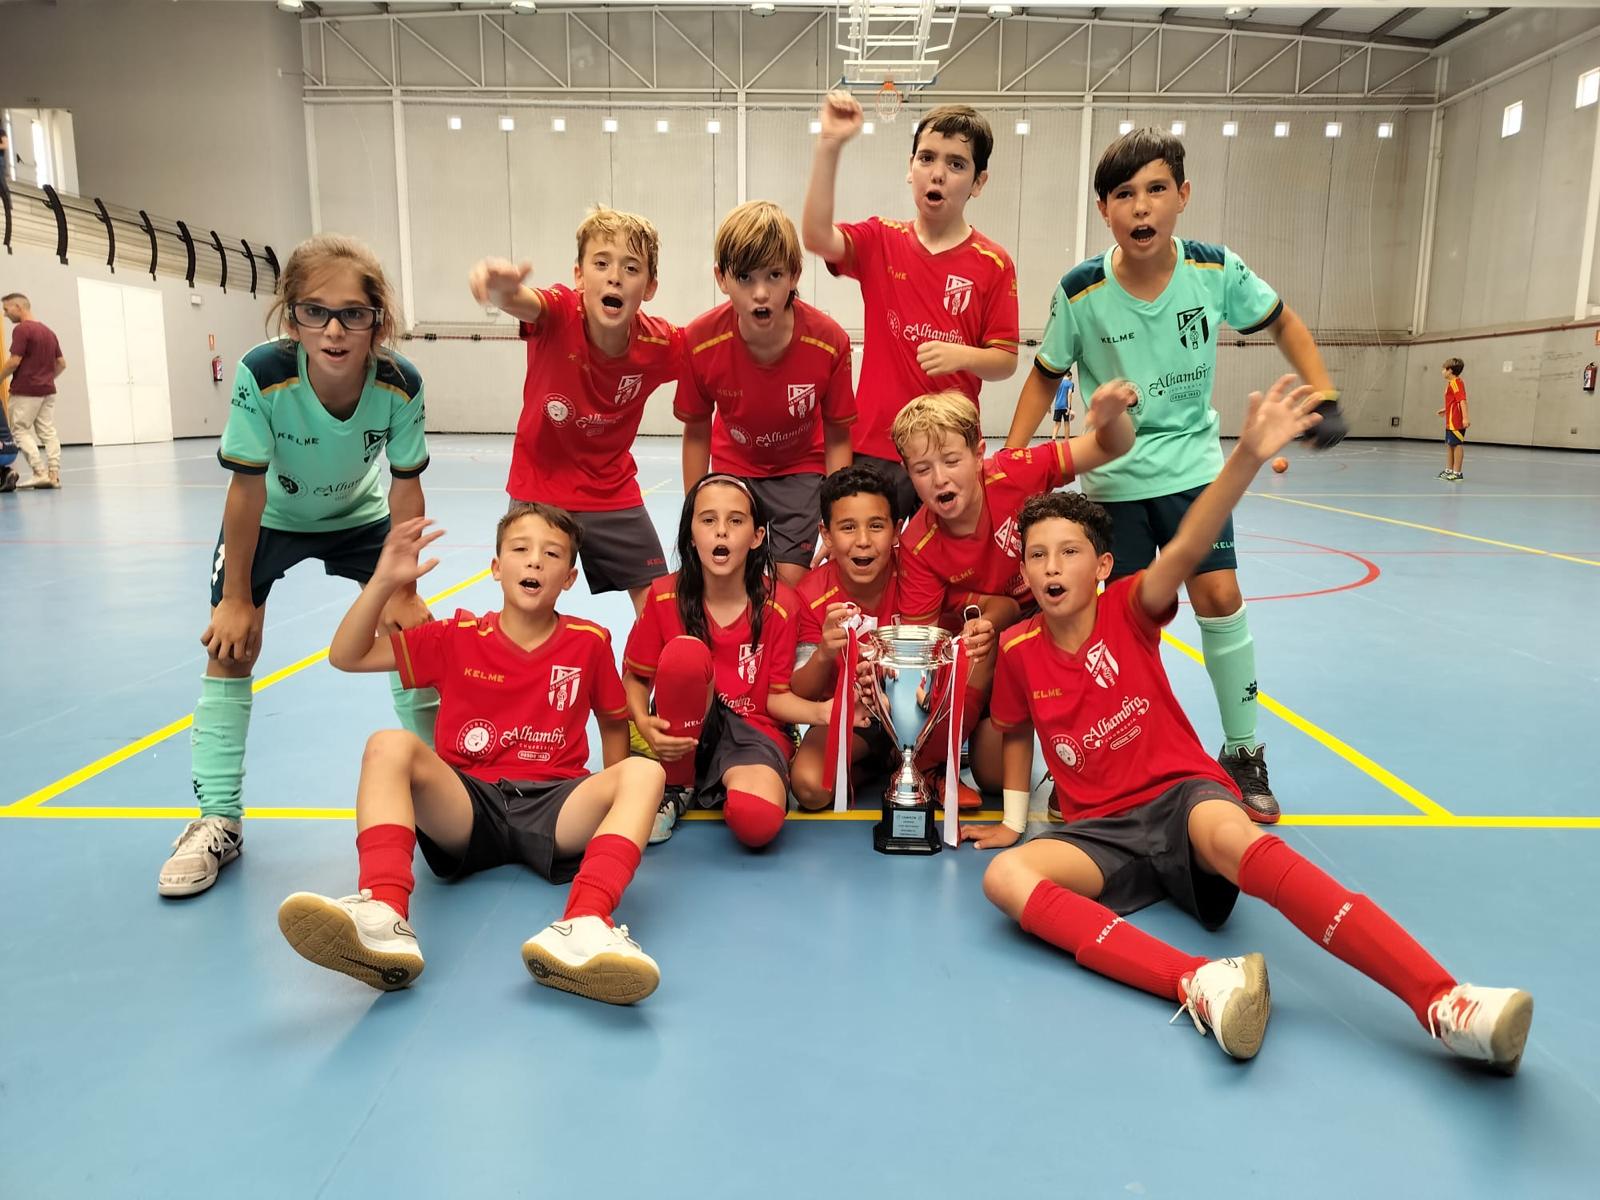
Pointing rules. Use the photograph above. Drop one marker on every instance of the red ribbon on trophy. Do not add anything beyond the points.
(841, 720)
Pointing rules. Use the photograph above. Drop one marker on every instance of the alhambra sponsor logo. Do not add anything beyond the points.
(778, 439)
(1180, 385)
(528, 736)
(923, 331)
(1120, 728)
(594, 424)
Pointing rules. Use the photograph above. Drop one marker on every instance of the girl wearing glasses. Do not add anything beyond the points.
(310, 413)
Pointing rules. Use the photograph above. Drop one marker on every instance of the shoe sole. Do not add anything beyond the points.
(1262, 818)
(1511, 1034)
(613, 978)
(322, 932)
(194, 888)
(1244, 1024)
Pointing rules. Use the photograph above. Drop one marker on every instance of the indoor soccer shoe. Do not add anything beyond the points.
(590, 958)
(1248, 770)
(674, 801)
(1487, 1024)
(203, 848)
(356, 936)
(1230, 997)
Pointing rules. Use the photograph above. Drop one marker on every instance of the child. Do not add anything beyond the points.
(1150, 309)
(776, 373)
(1454, 413)
(508, 784)
(1061, 413)
(940, 298)
(716, 642)
(593, 360)
(1152, 815)
(310, 412)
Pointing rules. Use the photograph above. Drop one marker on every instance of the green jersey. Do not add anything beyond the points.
(1168, 348)
(322, 473)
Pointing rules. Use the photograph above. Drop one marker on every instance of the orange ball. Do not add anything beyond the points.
(1280, 465)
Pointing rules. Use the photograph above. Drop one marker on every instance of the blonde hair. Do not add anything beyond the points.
(317, 254)
(932, 417)
(757, 234)
(626, 229)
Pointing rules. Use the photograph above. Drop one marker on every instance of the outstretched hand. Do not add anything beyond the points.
(496, 280)
(1276, 419)
(400, 563)
(841, 116)
(1110, 400)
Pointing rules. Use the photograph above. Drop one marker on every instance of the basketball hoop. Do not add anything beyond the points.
(889, 101)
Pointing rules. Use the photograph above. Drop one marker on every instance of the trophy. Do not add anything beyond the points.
(908, 687)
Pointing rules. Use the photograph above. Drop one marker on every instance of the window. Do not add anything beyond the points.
(558, 124)
(1125, 127)
(1511, 120)
(1385, 129)
(455, 122)
(1177, 128)
(1022, 128)
(1588, 88)
(1280, 129)
(713, 126)
(1230, 129)
(1332, 129)
(507, 124)
(609, 124)
(41, 157)
(662, 127)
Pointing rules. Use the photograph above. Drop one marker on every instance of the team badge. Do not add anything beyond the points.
(802, 399)
(957, 295)
(1102, 666)
(564, 682)
(1194, 328)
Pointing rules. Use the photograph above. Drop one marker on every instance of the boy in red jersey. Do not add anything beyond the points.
(1151, 815)
(940, 298)
(593, 360)
(1454, 413)
(774, 373)
(509, 782)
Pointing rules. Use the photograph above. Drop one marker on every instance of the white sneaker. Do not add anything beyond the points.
(593, 959)
(673, 803)
(356, 936)
(1231, 997)
(203, 848)
(1487, 1024)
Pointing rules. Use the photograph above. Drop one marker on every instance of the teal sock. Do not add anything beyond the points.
(417, 708)
(1230, 654)
(216, 745)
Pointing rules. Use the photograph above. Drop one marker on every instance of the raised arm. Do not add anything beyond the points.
(1108, 430)
(499, 282)
(841, 118)
(357, 644)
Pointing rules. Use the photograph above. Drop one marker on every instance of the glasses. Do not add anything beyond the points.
(357, 318)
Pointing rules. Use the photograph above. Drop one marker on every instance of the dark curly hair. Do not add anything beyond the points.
(1069, 506)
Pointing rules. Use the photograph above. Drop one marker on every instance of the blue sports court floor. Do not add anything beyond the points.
(830, 1021)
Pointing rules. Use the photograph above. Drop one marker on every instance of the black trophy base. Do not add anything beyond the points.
(907, 829)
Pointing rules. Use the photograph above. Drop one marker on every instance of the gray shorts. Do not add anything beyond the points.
(621, 550)
(1144, 855)
(512, 822)
(794, 510)
(905, 495)
(728, 740)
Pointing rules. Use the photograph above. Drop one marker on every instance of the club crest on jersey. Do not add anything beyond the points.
(749, 662)
(372, 442)
(628, 389)
(802, 399)
(1008, 539)
(1068, 751)
(564, 682)
(1103, 668)
(558, 409)
(476, 739)
(1194, 328)
(957, 295)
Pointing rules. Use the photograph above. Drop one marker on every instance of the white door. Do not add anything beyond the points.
(125, 363)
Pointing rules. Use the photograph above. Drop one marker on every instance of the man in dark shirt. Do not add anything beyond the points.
(33, 365)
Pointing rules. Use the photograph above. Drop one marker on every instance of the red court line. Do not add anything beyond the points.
(1371, 575)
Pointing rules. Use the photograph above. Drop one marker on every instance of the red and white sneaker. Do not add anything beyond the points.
(1231, 998)
(1486, 1024)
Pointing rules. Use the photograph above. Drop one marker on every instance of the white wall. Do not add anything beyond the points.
(199, 406)
(188, 110)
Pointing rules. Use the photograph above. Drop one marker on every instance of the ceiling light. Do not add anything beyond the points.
(1177, 128)
(1230, 129)
(291, 6)
(1023, 128)
(1125, 127)
(713, 126)
(1237, 12)
(999, 12)
(523, 6)
(1332, 129)
(661, 127)
(507, 124)
(558, 124)
(763, 8)
(1476, 14)
(454, 122)
(868, 127)
(1385, 130)
(1281, 129)
(609, 124)
(816, 127)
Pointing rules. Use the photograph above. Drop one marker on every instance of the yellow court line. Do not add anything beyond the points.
(1469, 537)
(1305, 820)
(99, 766)
(1344, 750)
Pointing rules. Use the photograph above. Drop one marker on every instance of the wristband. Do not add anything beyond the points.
(1016, 810)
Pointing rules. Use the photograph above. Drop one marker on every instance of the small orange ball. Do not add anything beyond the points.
(1280, 465)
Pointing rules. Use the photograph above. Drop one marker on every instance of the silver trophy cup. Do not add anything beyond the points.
(908, 688)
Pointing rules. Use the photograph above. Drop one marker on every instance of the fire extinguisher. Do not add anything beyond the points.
(216, 368)
(1588, 378)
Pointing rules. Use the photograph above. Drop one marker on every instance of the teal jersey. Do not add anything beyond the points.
(322, 473)
(1168, 348)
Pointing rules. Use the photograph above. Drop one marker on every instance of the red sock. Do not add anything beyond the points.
(754, 821)
(1104, 943)
(608, 867)
(1346, 924)
(683, 675)
(384, 852)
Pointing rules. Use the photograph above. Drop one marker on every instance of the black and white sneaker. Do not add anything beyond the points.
(203, 848)
(1248, 769)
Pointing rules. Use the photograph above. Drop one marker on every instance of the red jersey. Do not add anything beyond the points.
(967, 294)
(822, 588)
(581, 409)
(745, 674)
(940, 573)
(1113, 734)
(1455, 403)
(768, 417)
(506, 712)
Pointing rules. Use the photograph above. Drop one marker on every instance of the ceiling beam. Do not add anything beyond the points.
(1394, 22)
(1317, 18)
(1465, 27)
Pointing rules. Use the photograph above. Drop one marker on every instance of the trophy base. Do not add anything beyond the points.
(907, 829)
